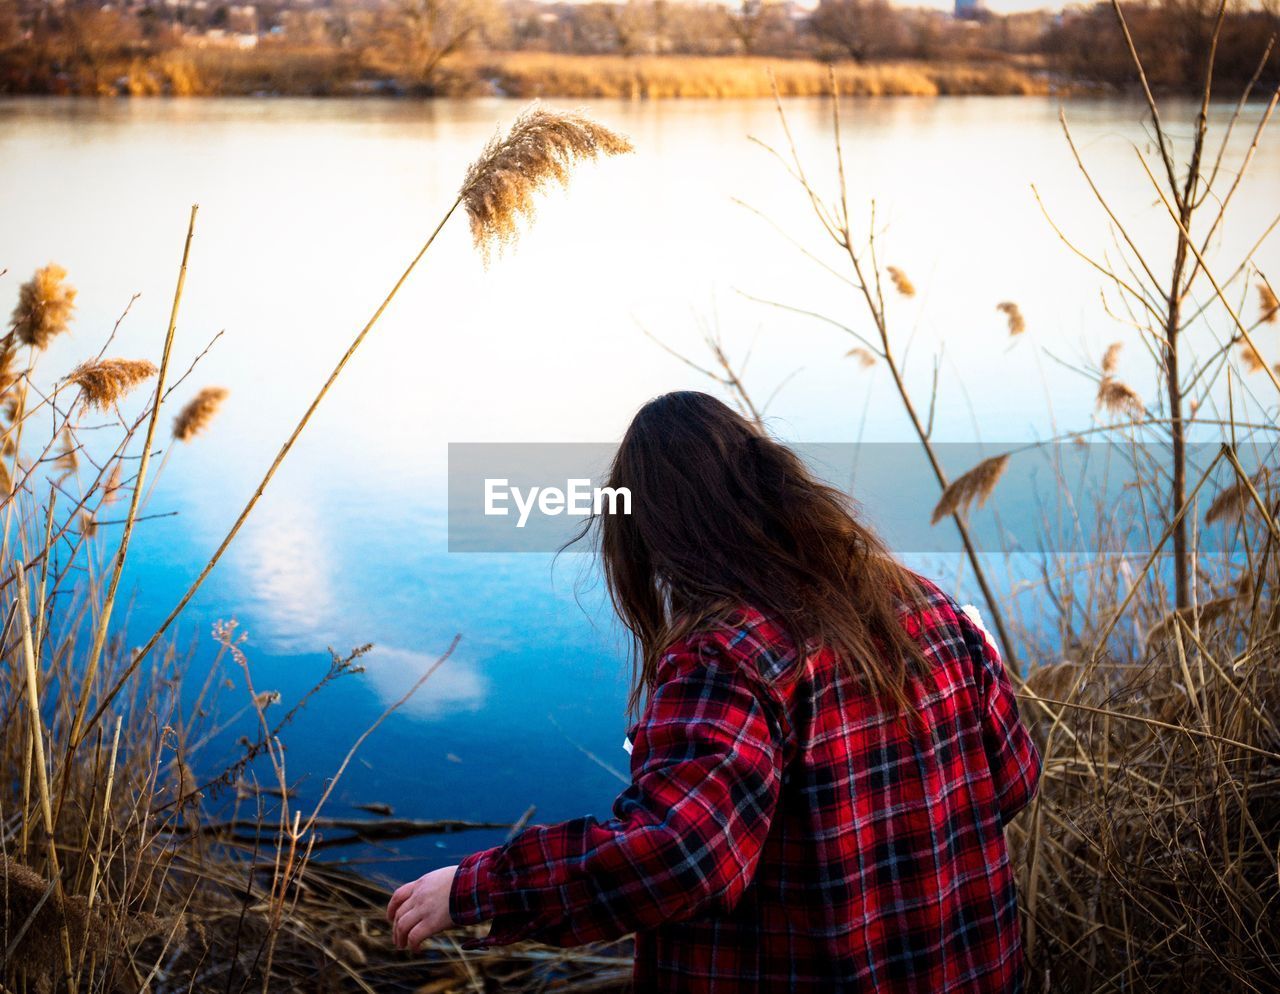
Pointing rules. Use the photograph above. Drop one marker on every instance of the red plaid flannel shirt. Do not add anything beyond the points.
(787, 834)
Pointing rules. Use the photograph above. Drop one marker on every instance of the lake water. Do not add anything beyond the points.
(309, 211)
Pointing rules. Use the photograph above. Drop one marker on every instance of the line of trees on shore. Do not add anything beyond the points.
(415, 46)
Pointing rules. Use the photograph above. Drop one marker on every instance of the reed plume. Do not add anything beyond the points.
(45, 303)
(8, 353)
(1013, 314)
(1117, 398)
(105, 381)
(1111, 358)
(1268, 305)
(1252, 361)
(866, 359)
(975, 485)
(1204, 614)
(195, 417)
(900, 282)
(540, 149)
(1232, 502)
(67, 461)
(111, 489)
(88, 525)
(32, 903)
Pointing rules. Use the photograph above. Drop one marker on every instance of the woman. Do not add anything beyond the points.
(828, 753)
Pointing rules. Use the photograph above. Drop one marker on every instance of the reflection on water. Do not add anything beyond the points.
(287, 577)
(309, 210)
(457, 686)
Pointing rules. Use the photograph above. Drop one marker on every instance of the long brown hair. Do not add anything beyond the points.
(724, 517)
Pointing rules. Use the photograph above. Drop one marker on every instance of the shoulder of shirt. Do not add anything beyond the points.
(938, 622)
(746, 635)
(743, 636)
(932, 608)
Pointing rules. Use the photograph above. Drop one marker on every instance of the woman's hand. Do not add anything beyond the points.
(420, 909)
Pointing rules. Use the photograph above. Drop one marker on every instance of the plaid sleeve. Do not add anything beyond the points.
(1013, 758)
(685, 837)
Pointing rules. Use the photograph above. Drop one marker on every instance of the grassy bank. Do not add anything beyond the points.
(321, 72)
(655, 78)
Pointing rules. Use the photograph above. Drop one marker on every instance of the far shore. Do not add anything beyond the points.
(330, 73)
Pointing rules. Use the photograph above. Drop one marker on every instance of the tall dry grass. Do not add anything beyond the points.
(290, 70)
(1150, 859)
(131, 856)
(534, 74)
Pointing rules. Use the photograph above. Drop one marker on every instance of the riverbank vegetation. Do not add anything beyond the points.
(646, 49)
(1148, 660)
(150, 838)
(659, 77)
(138, 857)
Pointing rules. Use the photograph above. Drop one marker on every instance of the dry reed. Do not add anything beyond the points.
(44, 308)
(68, 459)
(528, 75)
(1013, 316)
(1251, 359)
(111, 489)
(976, 485)
(1268, 305)
(901, 282)
(866, 358)
(15, 406)
(1118, 398)
(103, 382)
(8, 356)
(199, 412)
(1111, 358)
(32, 901)
(1232, 502)
(539, 150)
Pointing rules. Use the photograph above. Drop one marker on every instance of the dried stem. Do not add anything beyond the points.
(104, 620)
(150, 644)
